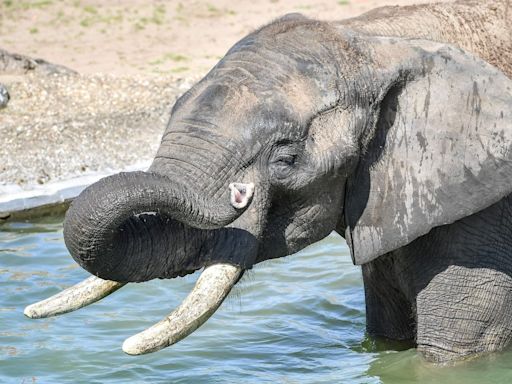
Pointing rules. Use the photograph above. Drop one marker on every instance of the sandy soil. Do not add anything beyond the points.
(134, 58)
(127, 37)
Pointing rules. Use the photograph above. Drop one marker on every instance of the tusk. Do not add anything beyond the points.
(87, 292)
(210, 290)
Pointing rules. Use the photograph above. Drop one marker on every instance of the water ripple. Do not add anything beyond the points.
(296, 320)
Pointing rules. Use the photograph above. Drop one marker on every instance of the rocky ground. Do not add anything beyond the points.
(61, 124)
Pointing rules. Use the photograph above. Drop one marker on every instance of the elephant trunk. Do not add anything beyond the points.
(121, 227)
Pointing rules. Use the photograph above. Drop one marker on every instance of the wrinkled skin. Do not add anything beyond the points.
(339, 128)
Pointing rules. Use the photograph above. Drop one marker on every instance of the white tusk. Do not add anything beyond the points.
(210, 290)
(87, 292)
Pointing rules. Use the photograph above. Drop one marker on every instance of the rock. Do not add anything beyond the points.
(4, 96)
(15, 64)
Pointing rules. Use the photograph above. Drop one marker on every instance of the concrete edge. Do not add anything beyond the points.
(16, 202)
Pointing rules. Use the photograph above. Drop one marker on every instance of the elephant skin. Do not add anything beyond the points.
(392, 128)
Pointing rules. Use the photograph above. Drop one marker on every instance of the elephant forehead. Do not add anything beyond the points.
(224, 94)
(282, 106)
(249, 108)
(302, 95)
(295, 94)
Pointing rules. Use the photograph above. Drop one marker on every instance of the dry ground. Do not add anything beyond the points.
(127, 37)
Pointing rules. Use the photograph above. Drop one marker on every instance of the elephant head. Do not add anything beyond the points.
(301, 129)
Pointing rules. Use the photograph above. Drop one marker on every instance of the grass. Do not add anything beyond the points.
(157, 18)
(38, 4)
(175, 57)
(343, 2)
(94, 17)
(182, 13)
(91, 9)
(179, 69)
(158, 15)
(90, 18)
(214, 11)
(86, 15)
(162, 67)
(27, 4)
(138, 26)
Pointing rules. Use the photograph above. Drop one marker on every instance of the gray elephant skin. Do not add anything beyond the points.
(392, 128)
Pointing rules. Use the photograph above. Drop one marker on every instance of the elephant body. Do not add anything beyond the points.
(443, 289)
(450, 290)
(480, 27)
(392, 128)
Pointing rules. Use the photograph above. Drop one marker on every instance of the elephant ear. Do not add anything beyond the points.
(440, 150)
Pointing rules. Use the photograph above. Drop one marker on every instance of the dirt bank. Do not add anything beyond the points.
(126, 37)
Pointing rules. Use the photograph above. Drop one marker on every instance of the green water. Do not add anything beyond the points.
(296, 320)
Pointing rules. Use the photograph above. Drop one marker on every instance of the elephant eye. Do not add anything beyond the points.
(283, 165)
(286, 160)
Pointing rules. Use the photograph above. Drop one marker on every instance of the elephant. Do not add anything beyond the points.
(391, 128)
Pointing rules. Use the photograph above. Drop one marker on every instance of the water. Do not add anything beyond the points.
(295, 320)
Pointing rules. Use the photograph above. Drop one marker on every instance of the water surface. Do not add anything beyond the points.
(296, 320)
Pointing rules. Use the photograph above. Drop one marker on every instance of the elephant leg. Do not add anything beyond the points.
(459, 277)
(389, 313)
(463, 311)
(450, 310)
(450, 290)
